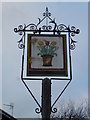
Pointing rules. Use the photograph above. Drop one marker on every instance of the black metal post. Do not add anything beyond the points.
(46, 99)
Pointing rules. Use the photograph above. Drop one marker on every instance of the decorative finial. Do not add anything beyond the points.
(46, 8)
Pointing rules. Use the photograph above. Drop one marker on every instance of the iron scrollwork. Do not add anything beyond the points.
(62, 27)
(46, 15)
(20, 27)
(38, 110)
(20, 31)
(32, 27)
(44, 27)
(21, 44)
(72, 44)
(53, 110)
(57, 29)
(73, 32)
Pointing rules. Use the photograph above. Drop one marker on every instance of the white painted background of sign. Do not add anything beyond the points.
(57, 61)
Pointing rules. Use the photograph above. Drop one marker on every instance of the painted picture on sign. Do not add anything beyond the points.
(47, 50)
(46, 55)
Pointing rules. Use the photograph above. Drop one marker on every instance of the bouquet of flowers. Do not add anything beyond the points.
(47, 50)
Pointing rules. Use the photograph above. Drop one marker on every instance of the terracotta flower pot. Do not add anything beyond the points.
(47, 60)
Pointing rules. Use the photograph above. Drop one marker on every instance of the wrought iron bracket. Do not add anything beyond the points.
(46, 28)
(54, 110)
(39, 109)
(50, 26)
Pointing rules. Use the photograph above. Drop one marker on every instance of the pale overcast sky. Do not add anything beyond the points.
(13, 90)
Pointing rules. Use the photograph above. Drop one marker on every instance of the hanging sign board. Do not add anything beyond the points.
(46, 55)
